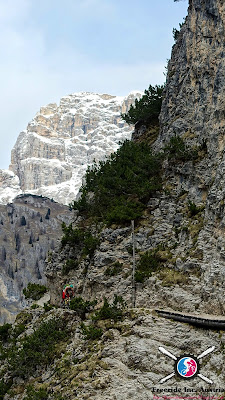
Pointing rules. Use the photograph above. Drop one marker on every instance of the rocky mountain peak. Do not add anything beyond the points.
(51, 156)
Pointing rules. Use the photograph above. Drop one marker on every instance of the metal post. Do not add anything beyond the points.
(134, 267)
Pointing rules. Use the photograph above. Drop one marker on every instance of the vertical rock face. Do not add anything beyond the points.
(194, 103)
(52, 155)
(193, 108)
(29, 231)
(194, 99)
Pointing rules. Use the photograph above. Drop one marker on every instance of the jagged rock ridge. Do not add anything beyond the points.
(51, 156)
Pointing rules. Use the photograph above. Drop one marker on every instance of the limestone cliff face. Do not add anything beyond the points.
(194, 97)
(51, 156)
(193, 109)
(29, 230)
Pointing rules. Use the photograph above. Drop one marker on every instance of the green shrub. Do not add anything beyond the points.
(38, 349)
(114, 269)
(3, 352)
(129, 249)
(90, 244)
(148, 263)
(48, 307)
(33, 394)
(171, 277)
(70, 265)
(81, 238)
(177, 150)
(18, 329)
(114, 311)
(121, 186)
(194, 210)
(123, 211)
(34, 306)
(71, 236)
(34, 291)
(176, 32)
(5, 332)
(23, 221)
(4, 387)
(81, 306)
(91, 332)
(147, 108)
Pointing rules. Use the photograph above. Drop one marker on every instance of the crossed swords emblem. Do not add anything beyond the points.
(167, 353)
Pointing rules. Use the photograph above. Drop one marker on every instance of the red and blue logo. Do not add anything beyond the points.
(187, 367)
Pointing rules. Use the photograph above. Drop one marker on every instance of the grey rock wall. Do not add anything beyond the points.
(30, 229)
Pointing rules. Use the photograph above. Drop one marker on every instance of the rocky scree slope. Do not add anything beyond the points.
(123, 363)
(51, 156)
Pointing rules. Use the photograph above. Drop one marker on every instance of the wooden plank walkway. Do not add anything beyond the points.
(204, 320)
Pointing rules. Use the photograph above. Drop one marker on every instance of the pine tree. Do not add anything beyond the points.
(147, 108)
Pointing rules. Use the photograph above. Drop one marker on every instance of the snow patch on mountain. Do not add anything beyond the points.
(51, 156)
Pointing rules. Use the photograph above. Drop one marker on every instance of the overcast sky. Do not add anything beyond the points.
(51, 48)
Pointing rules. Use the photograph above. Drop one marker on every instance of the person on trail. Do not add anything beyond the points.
(67, 293)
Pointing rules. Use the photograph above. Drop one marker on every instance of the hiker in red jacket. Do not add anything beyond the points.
(67, 294)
